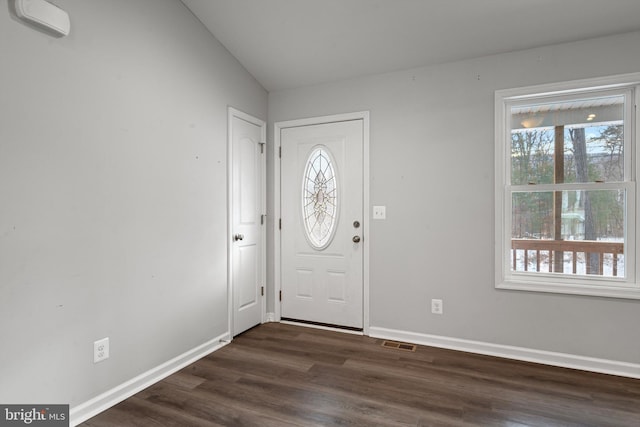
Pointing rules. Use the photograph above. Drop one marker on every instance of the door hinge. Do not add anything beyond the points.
(280, 152)
(261, 290)
(262, 217)
(280, 224)
(262, 144)
(280, 295)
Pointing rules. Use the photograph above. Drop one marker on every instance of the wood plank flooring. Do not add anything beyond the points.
(283, 375)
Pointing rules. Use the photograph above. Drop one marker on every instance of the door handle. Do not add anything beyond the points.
(356, 239)
(238, 237)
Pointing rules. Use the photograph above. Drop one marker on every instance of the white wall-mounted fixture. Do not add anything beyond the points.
(101, 350)
(44, 15)
(379, 212)
(436, 306)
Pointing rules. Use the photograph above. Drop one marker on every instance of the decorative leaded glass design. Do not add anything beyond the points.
(319, 198)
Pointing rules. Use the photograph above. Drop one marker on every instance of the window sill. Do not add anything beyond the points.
(622, 292)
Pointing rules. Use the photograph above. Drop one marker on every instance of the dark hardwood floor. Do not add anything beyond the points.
(283, 375)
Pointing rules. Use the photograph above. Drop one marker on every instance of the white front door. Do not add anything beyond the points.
(322, 223)
(246, 135)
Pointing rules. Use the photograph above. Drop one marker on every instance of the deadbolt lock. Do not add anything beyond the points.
(356, 224)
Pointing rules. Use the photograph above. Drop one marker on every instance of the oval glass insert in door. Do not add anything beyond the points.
(320, 198)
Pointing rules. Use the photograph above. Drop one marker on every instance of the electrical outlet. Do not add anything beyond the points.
(436, 306)
(101, 350)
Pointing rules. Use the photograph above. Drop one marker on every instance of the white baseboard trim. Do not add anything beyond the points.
(271, 317)
(82, 412)
(604, 366)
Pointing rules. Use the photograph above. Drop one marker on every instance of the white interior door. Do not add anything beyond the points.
(247, 257)
(322, 223)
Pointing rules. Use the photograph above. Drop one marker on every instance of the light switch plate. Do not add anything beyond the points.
(379, 212)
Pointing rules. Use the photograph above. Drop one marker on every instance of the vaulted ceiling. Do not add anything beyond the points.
(291, 43)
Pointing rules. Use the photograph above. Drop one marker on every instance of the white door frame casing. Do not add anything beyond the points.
(231, 114)
(278, 126)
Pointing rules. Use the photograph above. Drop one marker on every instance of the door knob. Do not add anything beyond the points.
(356, 239)
(238, 237)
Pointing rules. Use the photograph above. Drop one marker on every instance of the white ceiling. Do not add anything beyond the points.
(292, 43)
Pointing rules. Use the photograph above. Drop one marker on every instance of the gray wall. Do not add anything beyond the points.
(432, 148)
(112, 194)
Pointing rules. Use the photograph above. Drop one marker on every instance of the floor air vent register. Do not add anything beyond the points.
(399, 345)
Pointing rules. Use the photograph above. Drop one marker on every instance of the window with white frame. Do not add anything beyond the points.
(565, 187)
